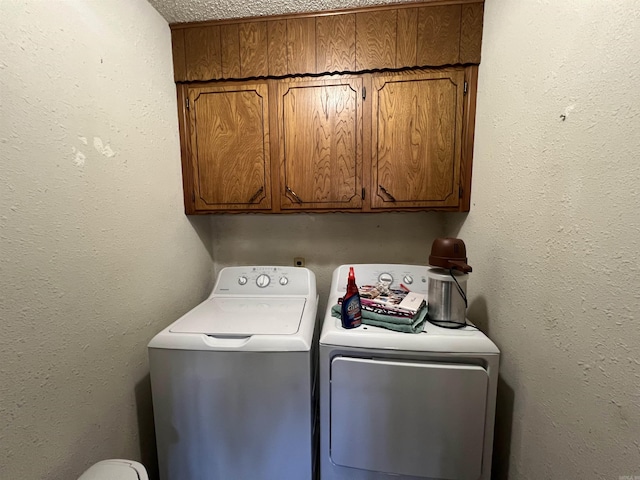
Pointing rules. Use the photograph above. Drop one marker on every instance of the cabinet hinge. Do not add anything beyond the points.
(466, 86)
(188, 106)
(362, 193)
(364, 93)
(460, 192)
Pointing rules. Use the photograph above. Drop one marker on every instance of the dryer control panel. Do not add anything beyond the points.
(410, 277)
(263, 280)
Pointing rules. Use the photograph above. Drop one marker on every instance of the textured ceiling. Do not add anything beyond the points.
(177, 11)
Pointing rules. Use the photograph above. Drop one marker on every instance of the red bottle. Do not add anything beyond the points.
(351, 307)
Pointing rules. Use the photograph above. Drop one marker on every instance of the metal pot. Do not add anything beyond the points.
(446, 302)
(447, 287)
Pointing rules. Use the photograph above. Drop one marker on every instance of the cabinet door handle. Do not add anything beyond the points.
(293, 194)
(256, 195)
(384, 190)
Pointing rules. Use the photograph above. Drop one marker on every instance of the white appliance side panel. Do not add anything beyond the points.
(232, 415)
(408, 418)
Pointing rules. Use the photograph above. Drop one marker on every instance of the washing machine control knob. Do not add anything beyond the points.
(263, 280)
(284, 280)
(385, 278)
(408, 279)
(242, 280)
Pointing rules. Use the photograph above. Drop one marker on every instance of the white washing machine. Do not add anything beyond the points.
(404, 406)
(233, 380)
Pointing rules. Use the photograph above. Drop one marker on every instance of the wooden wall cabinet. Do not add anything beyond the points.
(363, 111)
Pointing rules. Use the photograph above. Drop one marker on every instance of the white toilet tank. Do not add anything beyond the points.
(115, 470)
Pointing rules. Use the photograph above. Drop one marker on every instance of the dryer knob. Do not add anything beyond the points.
(284, 280)
(242, 280)
(408, 279)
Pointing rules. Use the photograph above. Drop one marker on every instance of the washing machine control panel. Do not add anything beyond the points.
(263, 281)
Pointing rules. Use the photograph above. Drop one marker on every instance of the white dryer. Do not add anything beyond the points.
(404, 406)
(233, 380)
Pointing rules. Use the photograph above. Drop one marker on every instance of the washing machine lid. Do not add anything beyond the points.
(243, 316)
(115, 470)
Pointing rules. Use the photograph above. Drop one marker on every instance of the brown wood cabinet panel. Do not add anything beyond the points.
(185, 151)
(253, 49)
(438, 35)
(434, 33)
(407, 47)
(202, 53)
(416, 139)
(229, 140)
(320, 143)
(177, 47)
(468, 130)
(336, 43)
(230, 42)
(471, 33)
(376, 39)
(301, 45)
(277, 33)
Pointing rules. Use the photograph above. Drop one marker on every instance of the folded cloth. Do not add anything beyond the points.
(413, 324)
(375, 307)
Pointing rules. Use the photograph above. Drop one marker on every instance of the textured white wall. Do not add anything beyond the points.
(96, 255)
(324, 240)
(554, 232)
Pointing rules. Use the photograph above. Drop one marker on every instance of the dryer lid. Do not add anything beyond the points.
(243, 316)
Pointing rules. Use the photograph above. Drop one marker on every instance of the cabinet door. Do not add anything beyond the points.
(229, 146)
(417, 139)
(320, 143)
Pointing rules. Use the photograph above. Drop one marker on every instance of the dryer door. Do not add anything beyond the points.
(408, 418)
